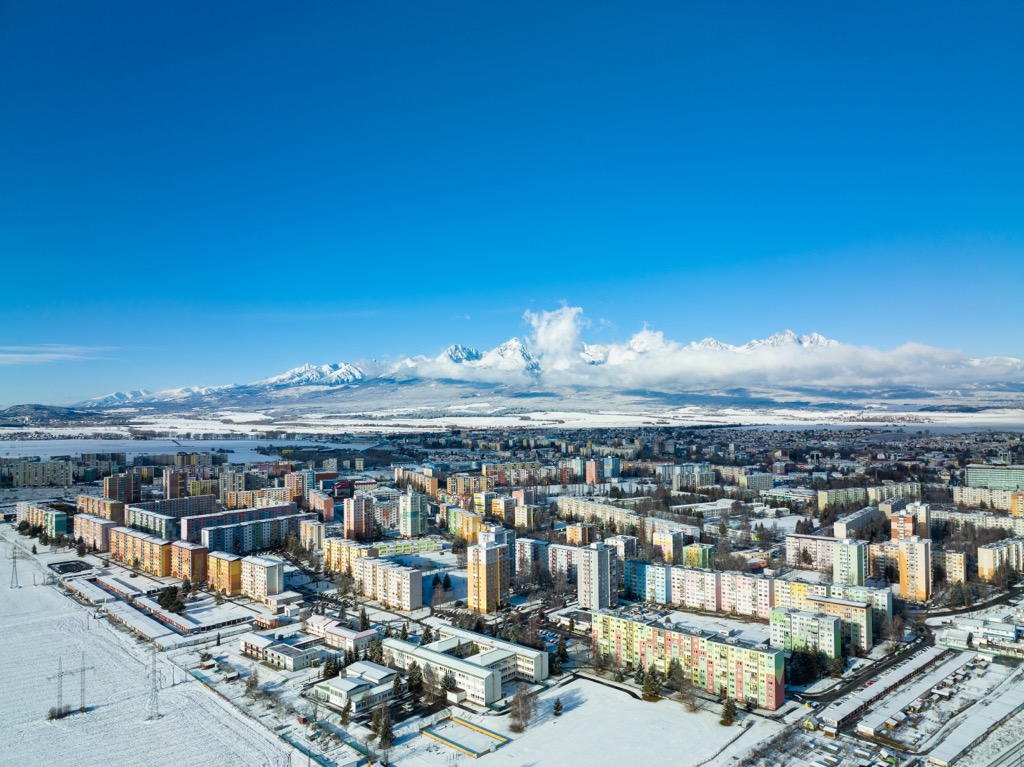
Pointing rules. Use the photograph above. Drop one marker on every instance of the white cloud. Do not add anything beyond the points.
(41, 353)
(650, 360)
(556, 336)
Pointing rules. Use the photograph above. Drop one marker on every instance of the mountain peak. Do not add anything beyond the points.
(458, 354)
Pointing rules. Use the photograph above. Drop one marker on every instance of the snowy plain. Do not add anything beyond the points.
(41, 625)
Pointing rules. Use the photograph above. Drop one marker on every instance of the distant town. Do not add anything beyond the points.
(738, 596)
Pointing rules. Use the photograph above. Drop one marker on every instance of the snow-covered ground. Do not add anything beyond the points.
(40, 626)
(603, 725)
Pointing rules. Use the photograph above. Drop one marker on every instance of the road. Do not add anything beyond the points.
(870, 672)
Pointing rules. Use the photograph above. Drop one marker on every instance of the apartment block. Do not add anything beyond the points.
(579, 534)
(125, 487)
(413, 514)
(105, 508)
(258, 535)
(340, 554)
(953, 564)
(990, 556)
(669, 543)
(488, 573)
(856, 619)
(906, 491)
(360, 517)
(995, 477)
(699, 554)
(597, 577)
(716, 663)
(915, 557)
(191, 527)
(810, 551)
(262, 577)
(849, 525)
(389, 583)
(94, 531)
(848, 496)
(138, 549)
(188, 560)
(224, 572)
(625, 546)
(850, 562)
(799, 630)
(311, 534)
(467, 484)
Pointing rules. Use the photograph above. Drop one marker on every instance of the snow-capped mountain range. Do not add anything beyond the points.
(556, 363)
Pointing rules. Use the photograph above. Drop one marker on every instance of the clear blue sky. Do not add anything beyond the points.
(216, 192)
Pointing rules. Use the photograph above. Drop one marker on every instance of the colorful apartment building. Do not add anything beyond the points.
(1009, 551)
(104, 508)
(488, 568)
(224, 572)
(360, 518)
(800, 630)
(855, 619)
(340, 554)
(579, 534)
(915, 558)
(94, 531)
(699, 554)
(718, 664)
(390, 584)
(188, 561)
(136, 548)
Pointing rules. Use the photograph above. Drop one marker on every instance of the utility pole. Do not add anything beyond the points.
(59, 676)
(82, 678)
(153, 707)
(14, 567)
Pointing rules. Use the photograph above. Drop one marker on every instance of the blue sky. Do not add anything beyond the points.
(204, 193)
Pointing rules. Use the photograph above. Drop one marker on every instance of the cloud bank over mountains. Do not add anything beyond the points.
(554, 355)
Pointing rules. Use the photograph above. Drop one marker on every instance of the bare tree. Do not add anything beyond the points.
(521, 709)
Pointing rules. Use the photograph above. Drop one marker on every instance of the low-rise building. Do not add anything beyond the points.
(363, 687)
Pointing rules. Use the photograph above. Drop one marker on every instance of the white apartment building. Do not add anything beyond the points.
(262, 577)
(597, 577)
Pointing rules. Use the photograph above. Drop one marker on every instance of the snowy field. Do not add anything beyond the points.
(602, 725)
(42, 625)
(419, 419)
(243, 450)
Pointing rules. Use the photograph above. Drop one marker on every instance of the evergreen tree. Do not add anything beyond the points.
(651, 683)
(557, 709)
(218, 639)
(554, 664)
(640, 676)
(728, 713)
(561, 651)
(427, 637)
(446, 584)
(364, 620)
(404, 636)
(414, 677)
(396, 686)
(346, 713)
